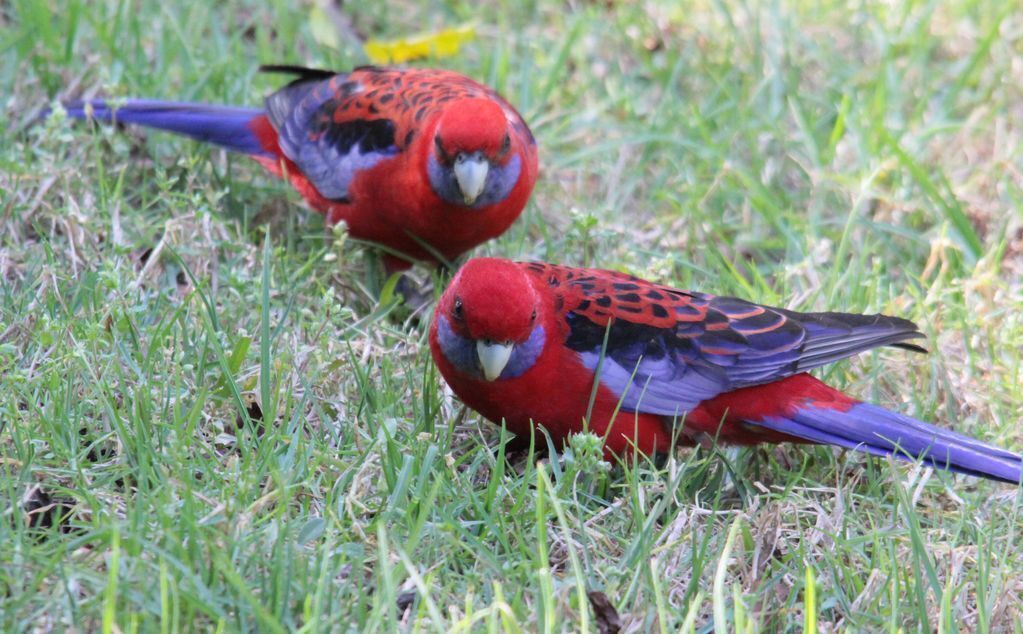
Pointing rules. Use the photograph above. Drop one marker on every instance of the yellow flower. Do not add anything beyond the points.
(443, 43)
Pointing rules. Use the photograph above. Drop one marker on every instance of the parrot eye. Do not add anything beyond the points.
(532, 317)
(441, 154)
(505, 144)
(457, 310)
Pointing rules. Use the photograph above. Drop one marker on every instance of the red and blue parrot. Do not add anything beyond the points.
(423, 162)
(642, 364)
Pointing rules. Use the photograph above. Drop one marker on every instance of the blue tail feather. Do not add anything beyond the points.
(226, 126)
(881, 432)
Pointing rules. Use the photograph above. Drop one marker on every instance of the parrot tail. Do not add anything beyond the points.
(238, 129)
(881, 432)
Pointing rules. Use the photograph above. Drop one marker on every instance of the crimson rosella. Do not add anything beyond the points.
(525, 343)
(423, 162)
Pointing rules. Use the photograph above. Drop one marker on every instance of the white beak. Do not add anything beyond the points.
(471, 173)
(493, 357)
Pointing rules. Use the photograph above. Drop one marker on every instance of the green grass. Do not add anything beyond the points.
(216, 425)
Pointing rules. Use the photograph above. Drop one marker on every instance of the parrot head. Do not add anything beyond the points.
(489, 322)
(471, 162)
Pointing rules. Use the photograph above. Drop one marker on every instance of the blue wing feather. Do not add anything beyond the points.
(330, 153)
(669, 369)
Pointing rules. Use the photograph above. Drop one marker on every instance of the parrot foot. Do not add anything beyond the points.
(416, 295)
(517, 449)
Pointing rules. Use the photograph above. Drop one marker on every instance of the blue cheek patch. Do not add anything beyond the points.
(458, 350)
(525, 354)
(501, 181)
(461, 352)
